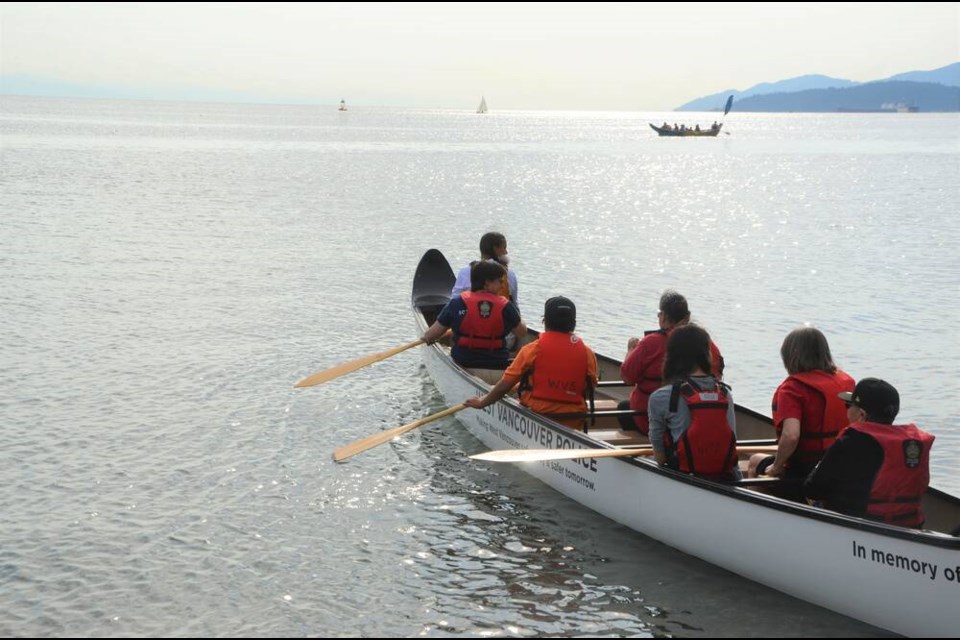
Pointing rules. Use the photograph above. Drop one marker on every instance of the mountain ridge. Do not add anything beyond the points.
(936, 100)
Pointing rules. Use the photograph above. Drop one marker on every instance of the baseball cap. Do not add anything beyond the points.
(875, 396)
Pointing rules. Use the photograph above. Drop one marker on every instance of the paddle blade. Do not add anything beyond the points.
(540, 455)
(348, 367)
(377, 439)
(726, 109)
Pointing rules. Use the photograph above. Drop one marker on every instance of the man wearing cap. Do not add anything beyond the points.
(554, 372)
(643, 366)
(875, 469)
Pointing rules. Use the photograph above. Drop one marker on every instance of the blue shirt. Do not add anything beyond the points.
(453, 314)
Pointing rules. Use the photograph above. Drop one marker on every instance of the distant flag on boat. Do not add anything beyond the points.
(726, 109)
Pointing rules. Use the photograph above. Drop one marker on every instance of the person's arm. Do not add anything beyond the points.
(434, 333)
(789, 439)
(657, 414)
(499, 390)
(512, 281)
(732, 414)
(630, 370)
(444, 321)
(829, 472)
(511, 317)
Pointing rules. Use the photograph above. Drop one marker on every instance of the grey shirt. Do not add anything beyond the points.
(662, 419)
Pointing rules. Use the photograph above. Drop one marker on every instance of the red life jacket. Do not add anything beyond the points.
(482, 327)
(651, 377)
(816, 437)
(708, 447)
(559, 373)
(903, 476)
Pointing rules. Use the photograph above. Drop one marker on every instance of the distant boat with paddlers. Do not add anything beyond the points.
(343, 105)
(683, 130)
(667, 130)
(483, 105)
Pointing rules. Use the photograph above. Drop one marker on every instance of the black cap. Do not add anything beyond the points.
(875, 396)
(559, 311)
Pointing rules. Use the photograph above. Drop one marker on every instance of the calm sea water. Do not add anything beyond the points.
(169, 270)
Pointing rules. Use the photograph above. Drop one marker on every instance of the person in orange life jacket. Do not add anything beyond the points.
(481, 319)
(807, 413)
(643, 366)
(692, 423)
(875, 469)
(555, 371)
(493, 247)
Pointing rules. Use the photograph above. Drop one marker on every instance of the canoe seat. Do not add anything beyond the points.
(490, 376)
(605, 404)
(619, 437)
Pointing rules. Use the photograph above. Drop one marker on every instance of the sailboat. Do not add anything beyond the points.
(343, 105)
(483, 105)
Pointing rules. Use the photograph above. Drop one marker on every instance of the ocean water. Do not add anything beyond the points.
(168, 271)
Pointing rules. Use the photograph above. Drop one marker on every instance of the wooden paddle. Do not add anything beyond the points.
(377, 439)
(349, 367)
(539, 455)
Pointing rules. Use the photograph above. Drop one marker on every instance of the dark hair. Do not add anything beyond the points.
(688, 349)
(559, 314)
(806, 349)
(674, 306)
(483, 272)
(489, 241)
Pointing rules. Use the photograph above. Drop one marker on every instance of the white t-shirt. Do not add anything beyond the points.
(463, 283)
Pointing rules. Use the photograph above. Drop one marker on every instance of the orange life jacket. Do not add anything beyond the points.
(708, 447)
(559, 373)
(482, 327)
(903, 476)
(816, 437)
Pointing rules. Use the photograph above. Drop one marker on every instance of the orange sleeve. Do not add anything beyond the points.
(523, 361)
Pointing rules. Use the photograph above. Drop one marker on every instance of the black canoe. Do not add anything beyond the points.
(668, 131)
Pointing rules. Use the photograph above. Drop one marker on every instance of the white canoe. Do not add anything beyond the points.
(903, 580)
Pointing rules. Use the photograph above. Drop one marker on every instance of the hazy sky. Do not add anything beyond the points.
(648, 56)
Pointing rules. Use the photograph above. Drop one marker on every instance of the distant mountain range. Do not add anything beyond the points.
(935, 90)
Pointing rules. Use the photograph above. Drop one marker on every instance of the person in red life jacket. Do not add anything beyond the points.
(807, 413)
(555, 372)
(875, 469)
(643, 365)
(692, 423)
(481, 319)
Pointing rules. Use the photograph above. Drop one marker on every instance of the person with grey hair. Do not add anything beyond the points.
(643, 366)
